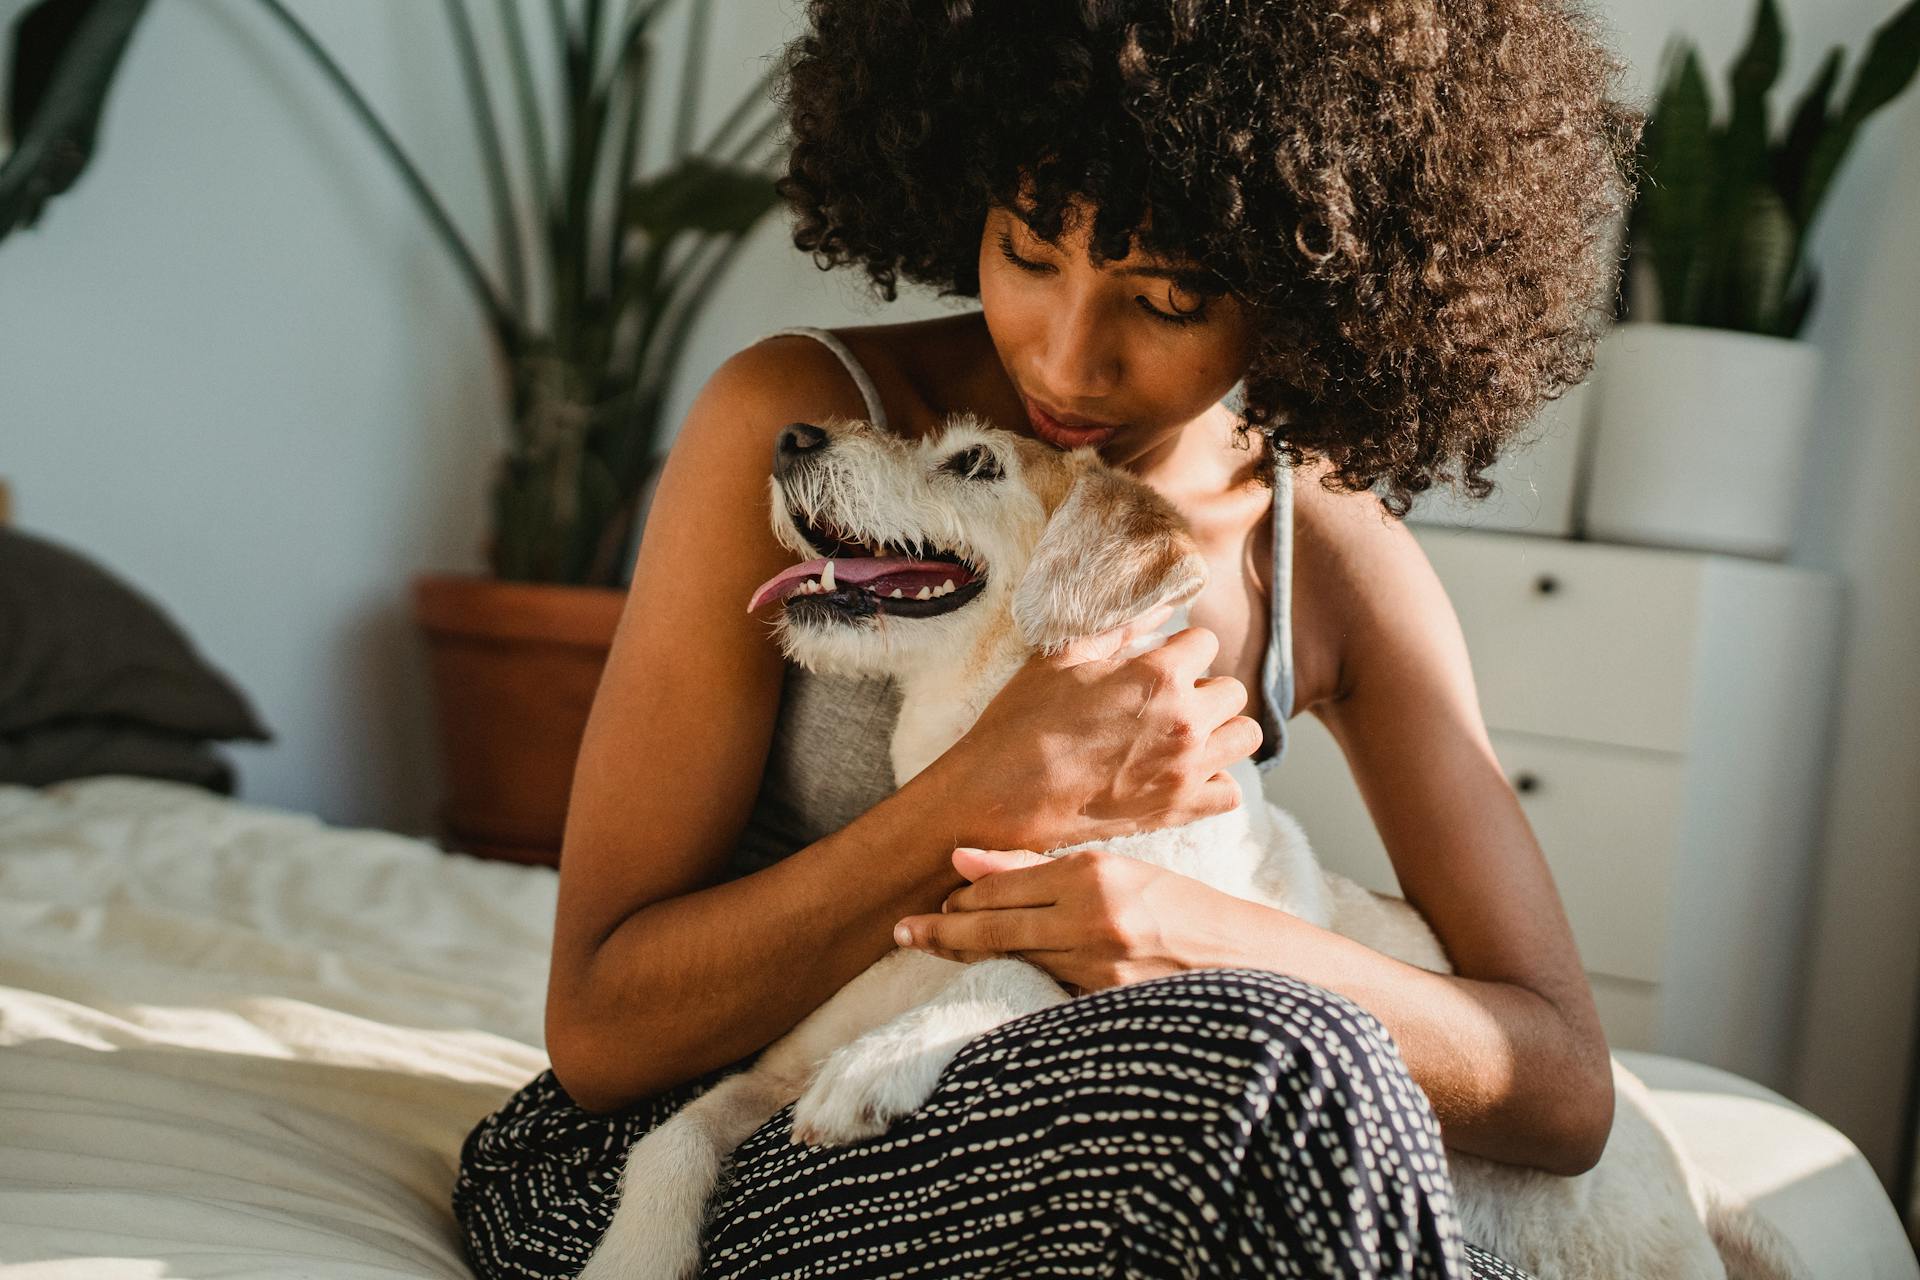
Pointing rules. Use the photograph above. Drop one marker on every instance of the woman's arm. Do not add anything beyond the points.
(1509, 1048)
(659, 973)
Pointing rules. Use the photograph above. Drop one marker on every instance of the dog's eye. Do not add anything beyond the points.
(975, 462)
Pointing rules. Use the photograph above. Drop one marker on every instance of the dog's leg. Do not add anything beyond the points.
(672, 1172)
(865, 1086)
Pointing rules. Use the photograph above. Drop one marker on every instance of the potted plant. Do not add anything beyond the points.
(588, 322)
(1705, 395)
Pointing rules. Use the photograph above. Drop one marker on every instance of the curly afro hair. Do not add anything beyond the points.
(1414, 199)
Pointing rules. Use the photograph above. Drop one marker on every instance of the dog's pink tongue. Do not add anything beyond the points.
(878, 574)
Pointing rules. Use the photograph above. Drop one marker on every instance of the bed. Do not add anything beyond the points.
(235, 1041)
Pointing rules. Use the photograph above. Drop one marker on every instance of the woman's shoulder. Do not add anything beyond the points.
(1361, 581)
(918, 367)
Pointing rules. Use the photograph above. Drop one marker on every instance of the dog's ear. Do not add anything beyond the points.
(1111, 551)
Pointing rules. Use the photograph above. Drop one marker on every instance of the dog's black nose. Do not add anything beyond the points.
(798, 443)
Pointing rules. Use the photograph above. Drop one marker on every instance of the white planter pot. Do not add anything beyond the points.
(1700, 438)
(1534, 480)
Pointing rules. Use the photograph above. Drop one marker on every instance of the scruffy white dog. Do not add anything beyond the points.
(946, 562)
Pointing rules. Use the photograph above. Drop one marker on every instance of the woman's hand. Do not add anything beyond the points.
(1092, 919)
(1090, 744)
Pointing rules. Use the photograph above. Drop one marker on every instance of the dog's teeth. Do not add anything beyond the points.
(925, 593)
(896, 593)
(948, 586)
(826, 577)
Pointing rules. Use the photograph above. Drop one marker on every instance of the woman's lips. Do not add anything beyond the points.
(1062, 436)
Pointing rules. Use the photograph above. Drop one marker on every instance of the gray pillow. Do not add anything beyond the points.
(78, 644)
(86, 749)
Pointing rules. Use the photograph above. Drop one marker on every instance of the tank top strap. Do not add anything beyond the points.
(1277, 667)
(876, 412)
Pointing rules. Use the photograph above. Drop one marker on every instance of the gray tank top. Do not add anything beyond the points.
(829, 763)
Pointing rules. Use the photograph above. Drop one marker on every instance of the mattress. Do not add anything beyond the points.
(235, 1041)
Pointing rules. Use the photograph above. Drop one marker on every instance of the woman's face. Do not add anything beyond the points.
(1123, 345)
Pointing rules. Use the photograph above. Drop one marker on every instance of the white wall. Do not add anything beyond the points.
(235, 367)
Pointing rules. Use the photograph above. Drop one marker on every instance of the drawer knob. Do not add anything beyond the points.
(1546, 584)
(1525, 782)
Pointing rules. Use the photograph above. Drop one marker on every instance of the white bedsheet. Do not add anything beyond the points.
(236, 1042)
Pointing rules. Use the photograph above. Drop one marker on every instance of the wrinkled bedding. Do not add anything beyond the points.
(235, 1041)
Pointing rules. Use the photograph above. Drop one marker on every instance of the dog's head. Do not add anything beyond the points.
(918, 550)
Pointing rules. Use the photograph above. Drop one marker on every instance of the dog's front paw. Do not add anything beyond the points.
(863, 1087)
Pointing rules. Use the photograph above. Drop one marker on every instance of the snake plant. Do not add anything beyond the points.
(589, 319)
(1727, 205)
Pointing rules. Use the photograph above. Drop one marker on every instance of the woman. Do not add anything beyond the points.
(1379, 220)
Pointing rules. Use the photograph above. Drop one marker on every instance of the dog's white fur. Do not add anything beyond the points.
(1071, 547)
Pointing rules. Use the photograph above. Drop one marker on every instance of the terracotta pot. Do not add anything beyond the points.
(515, 666)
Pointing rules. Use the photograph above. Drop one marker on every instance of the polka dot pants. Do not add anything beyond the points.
(1215, 1123)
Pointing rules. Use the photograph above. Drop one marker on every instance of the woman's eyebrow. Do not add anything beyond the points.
(1193, 279)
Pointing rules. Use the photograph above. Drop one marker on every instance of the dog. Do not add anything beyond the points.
(946, 562)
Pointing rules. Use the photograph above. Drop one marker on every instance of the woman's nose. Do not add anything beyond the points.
(1080, 362)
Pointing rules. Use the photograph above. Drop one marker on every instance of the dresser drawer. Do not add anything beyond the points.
(1575, 640)
(1607, 819)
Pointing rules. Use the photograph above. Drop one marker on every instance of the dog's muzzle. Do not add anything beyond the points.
(859, 576)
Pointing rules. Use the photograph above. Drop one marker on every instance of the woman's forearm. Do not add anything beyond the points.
(697, 981)
(1508, 1078)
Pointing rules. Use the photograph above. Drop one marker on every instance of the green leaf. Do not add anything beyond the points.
(1822, 165)
(64, 57)
(600, 498)
(1740, 165)
(698, 194)
(1763, 249)
(520, 515)
(1753, 74)
(636, 29)
(1799, 304)
(1809, 121)
(1677, 150)
(1892, 58)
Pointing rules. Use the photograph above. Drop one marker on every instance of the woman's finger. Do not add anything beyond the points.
(1221, 697)
(1236, 739)
(1003, 878)
(999, 931)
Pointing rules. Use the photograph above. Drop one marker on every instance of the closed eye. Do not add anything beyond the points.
(1196, 315)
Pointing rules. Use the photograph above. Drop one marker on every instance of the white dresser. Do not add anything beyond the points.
(1663, 716)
